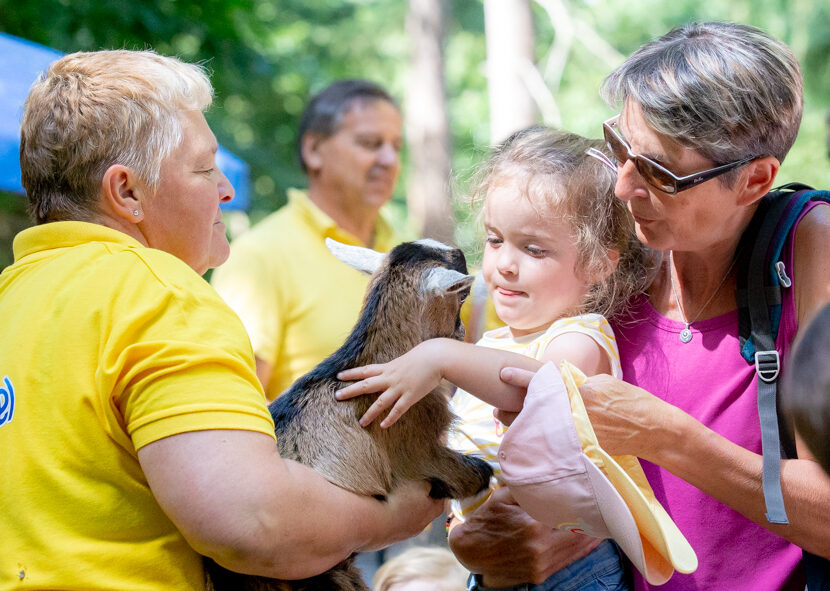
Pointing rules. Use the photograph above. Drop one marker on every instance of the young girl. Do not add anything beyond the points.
(560, 257)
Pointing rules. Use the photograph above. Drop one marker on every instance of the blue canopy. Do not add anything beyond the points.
(21, 62)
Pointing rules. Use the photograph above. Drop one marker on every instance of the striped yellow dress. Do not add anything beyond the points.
(476, 431)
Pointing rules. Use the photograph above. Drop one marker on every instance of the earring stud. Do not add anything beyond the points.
(135, 213)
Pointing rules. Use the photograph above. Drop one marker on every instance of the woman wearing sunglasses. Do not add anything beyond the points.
(708, 113)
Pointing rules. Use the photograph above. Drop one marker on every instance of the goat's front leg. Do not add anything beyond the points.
(456, 476)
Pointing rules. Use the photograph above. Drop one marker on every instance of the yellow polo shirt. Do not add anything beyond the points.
(107, 346)
(296, 300)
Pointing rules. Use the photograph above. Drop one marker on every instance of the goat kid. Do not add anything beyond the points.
(415, 294)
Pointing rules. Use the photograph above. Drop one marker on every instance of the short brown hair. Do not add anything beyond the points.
(726, 90)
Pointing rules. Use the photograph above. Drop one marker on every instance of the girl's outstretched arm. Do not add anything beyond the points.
(405, 380)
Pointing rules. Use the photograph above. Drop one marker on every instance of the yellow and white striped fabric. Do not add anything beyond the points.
(477, 432)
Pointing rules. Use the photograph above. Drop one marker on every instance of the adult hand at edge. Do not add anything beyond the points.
(507, 547)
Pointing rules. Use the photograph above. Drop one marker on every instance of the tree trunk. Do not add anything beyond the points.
(427, 123)
(508, 26)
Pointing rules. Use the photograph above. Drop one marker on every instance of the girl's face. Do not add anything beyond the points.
(529, 261)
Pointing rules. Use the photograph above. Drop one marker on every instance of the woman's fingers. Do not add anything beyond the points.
(516, 377)
(505, 416)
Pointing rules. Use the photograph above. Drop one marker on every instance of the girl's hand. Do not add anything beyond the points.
(402, 382)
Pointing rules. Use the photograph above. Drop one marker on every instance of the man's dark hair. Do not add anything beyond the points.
(326, 109)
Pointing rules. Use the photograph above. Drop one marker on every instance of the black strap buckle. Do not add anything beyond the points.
(767, 365)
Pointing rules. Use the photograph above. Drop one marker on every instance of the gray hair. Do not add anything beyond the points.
(559, 178)
(91, 110)
(728, 91)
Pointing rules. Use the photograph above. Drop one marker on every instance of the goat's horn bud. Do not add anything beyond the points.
(363, 259)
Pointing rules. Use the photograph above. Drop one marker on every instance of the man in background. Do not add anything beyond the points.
(296, 300)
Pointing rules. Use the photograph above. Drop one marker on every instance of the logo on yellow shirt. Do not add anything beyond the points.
(6, 402)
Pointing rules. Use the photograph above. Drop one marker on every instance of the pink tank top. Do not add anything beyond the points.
(709, 379)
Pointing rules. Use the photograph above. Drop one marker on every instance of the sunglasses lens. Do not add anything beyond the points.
(655, 176)
(651, 173)
(615, 146)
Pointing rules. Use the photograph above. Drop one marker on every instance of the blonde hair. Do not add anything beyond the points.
(559, 176)
(92, 110)
(422, 563)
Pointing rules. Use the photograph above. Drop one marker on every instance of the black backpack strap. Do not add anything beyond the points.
(760, 276)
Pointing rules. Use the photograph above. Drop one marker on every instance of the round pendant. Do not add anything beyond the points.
(685, 335)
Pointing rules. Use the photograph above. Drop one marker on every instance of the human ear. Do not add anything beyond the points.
(606, 268)
(757, 179)
(609, 264)
(123, 193)
(310, 149)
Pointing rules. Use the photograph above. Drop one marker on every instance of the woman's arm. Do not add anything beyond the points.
(630, 421)
(235, 500)
(410, 377)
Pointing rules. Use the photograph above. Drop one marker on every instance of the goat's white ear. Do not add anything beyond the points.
(443, 280)
(363, 259)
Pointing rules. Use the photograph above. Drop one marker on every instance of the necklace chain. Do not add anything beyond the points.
(686, 333)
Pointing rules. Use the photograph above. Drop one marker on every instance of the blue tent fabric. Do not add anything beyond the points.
(21, 62)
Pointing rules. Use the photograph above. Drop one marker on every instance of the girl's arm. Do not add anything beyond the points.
(580, 350)
(405, 380)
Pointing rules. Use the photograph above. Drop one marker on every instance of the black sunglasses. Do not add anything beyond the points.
(655, 175)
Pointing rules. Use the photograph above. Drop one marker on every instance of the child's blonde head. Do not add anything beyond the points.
(555, 173)
(436, 566)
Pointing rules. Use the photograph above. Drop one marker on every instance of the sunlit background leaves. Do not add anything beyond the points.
(268, 56)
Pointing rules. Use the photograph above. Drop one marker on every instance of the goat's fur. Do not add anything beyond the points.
(415, 294)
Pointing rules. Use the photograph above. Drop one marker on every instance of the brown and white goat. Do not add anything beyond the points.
(415, 294)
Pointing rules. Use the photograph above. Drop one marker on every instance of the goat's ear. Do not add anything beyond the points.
(442, 280)
(363, 259)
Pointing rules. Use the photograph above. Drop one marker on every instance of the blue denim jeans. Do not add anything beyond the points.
(604, 569)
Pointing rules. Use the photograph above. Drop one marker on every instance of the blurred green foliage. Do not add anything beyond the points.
(268, 56)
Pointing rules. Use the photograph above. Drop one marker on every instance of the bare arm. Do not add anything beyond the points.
(263, 371)
(410, 377)
(234, 499)
(580, 350)
(629, 420)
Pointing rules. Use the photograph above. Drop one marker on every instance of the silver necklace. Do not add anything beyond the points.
(686, 333)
